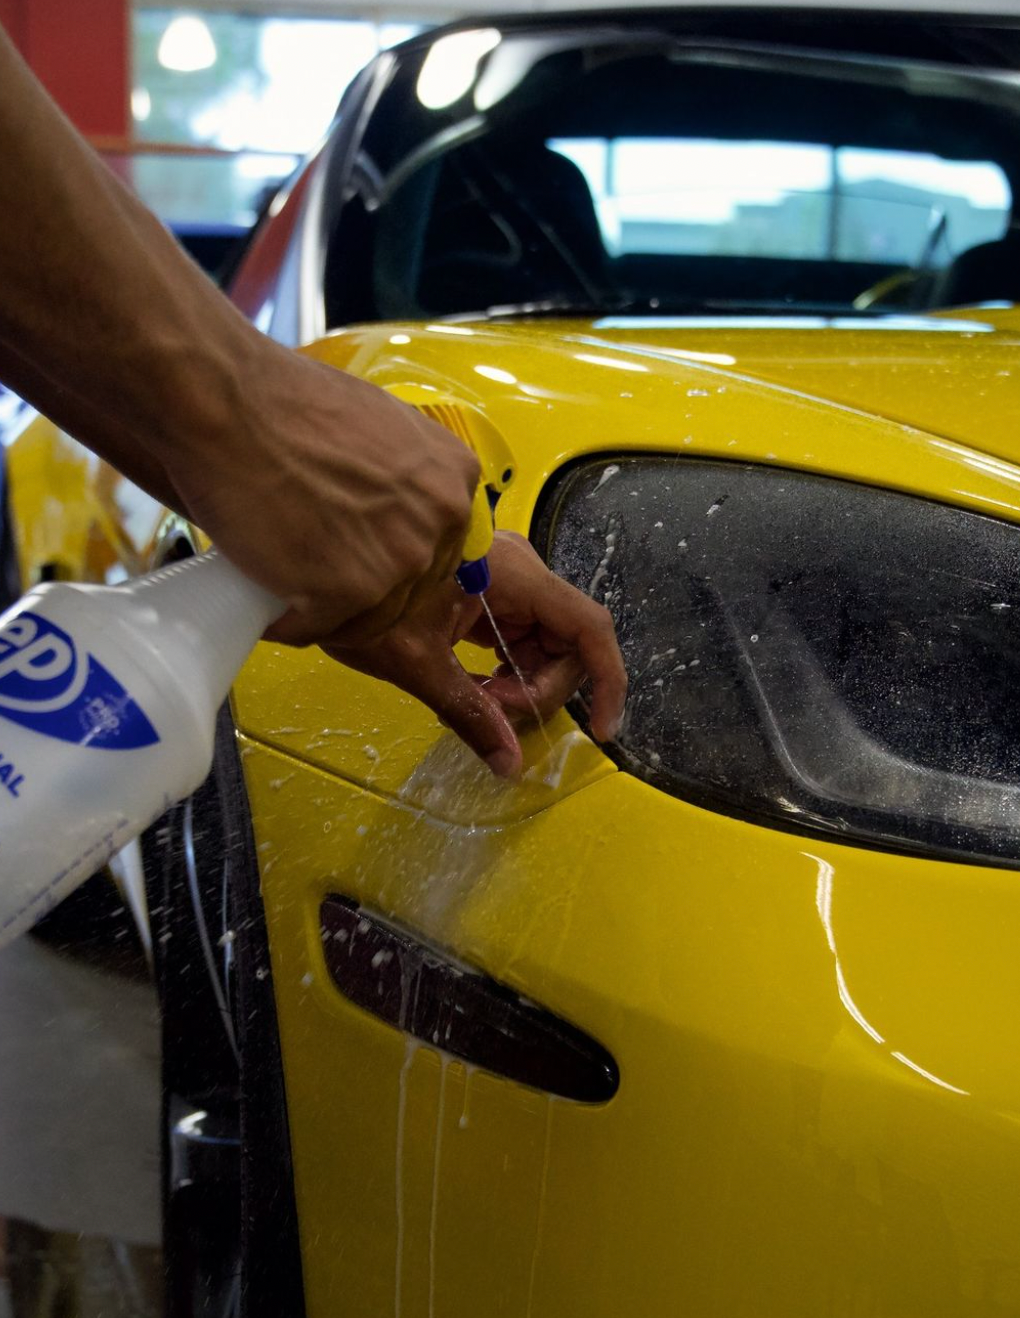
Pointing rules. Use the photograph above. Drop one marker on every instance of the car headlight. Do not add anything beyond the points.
(807, 652)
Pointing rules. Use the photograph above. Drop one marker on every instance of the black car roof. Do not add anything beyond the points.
(910, 33)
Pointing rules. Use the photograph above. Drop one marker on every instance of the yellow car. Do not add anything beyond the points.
(720, 1019)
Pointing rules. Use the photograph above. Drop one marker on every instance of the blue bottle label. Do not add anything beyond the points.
(49, 686)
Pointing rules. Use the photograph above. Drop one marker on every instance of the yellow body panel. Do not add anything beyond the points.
(819, 1104)
(818, 1086)
(74, 517)
(819, 1098)
(556, 395)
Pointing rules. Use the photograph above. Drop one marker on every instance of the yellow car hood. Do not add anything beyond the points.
(927, 406)
(923, 404)
(956, 375)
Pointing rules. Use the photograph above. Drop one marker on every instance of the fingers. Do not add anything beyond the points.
(547, 688)
(568, 621)
(469, 711)
(556, 634)
(426, 667)
(590, 627)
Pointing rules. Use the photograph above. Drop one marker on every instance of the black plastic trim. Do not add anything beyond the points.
(418, 989)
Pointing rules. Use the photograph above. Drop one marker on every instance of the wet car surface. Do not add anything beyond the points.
(719, 1016)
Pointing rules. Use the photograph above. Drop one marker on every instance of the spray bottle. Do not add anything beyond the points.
(108, 701)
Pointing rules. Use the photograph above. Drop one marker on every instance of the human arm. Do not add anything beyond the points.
(335, 496)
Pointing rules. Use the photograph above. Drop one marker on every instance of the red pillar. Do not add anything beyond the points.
(10, 19)
(80, 51)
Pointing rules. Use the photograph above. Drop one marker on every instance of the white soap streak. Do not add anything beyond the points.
(605, 561)
(550, 769)
(444, 1062)
(540, 1221)
(607, 475)
(410, 1048)
(465, 1111)
(558, 761)
(517, 672)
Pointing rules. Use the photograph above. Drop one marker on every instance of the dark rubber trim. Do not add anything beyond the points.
(418, 989)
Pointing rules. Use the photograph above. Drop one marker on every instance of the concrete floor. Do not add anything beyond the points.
(79, 1134)
(67, 1275)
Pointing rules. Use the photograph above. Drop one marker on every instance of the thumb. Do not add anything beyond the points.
(468, 710)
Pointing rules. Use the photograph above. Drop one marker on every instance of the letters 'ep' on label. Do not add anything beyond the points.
(49, 685)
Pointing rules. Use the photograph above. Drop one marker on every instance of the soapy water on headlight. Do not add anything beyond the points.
(604, 564)
(859, 684)
(611, 471)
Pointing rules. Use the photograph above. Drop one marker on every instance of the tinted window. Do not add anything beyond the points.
(721, 163)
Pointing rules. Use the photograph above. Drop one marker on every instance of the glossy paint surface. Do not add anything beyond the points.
(921, 405)
(818, 1101)
(74, 517)
(819, 1107)
(819, 1097)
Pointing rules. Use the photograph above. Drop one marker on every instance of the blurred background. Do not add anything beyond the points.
(204, 110)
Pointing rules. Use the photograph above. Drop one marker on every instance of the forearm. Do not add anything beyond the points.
(97, 296)
(335, 496)
(99, 431)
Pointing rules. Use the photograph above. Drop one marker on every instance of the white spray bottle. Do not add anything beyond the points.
(108, 700)
(109, 694)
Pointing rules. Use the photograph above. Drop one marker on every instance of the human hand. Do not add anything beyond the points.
(331, 494)
(556, 635)
(344, 502)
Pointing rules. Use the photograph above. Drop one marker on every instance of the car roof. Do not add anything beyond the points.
(610, 16)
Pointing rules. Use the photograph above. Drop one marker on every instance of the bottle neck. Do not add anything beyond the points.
(207, 614)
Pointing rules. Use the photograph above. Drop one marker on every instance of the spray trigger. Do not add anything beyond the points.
(473, 573)
(474, 429)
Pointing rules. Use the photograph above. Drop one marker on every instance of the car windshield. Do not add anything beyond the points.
(718, 163)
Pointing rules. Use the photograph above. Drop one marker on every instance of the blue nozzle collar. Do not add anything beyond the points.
(474, 577)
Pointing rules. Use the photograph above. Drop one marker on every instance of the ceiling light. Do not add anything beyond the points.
(141, 104)
(187, 45)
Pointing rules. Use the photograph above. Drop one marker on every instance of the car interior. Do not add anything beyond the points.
(471, 211)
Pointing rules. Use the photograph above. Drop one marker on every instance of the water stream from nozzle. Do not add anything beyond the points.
(517, 672)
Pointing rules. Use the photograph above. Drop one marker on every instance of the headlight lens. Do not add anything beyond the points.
(807, 652)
